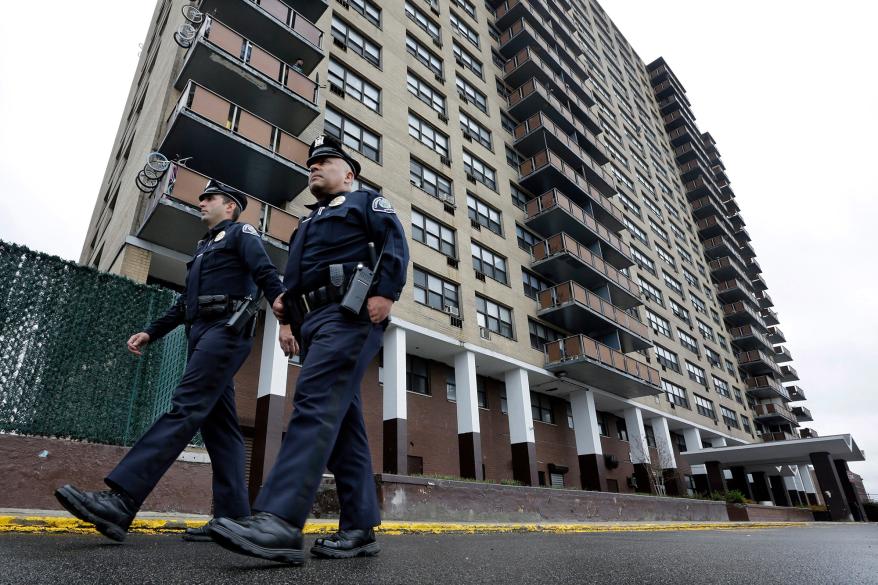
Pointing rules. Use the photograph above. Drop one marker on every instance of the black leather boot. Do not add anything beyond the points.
(110, 511)
(345, 544)
(262, 535)
(199, 533)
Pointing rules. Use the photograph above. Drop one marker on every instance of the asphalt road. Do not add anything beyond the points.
(817, 554)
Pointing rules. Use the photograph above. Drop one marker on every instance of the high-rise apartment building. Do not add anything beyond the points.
(583, 303)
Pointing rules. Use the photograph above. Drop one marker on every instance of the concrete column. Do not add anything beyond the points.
(739, 479)
(779, 491)
(521, 427)
(271, 396)
(639, 450)
(670, 475)
(716, 481)
(854, 503)
(792, 490)
(718, 442)
(395, 431)
(592, 471)
(761, 491)
(692, 438)
(831, 487)
(805, 477)
(469, 440)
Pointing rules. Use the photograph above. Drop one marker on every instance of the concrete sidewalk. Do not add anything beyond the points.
(58, 521)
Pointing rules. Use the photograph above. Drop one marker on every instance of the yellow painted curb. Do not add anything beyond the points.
(68, 525)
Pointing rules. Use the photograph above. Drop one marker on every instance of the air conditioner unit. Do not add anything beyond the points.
(467, 136)
(470, 178)
(445, 161)
(462, 97)
(453, 262)
(480, 276)
(339, 43)
(484, 333)
(459, 61)
(443, 117)
(451, 310)
(439, 78)
(434, 8)
(475, 225)
(437, 42)
(336, 89)
(344, 3)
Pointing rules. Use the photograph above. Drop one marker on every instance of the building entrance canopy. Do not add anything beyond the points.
(795, 452)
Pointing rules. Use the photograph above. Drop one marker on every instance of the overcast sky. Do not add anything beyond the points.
(787, 88)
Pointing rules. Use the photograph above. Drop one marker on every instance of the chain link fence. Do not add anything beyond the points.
(64, 368)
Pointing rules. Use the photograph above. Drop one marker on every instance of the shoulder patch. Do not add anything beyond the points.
(382, 205)
(249, 229)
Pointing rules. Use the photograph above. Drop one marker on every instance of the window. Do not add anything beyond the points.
(722, 387)
(424, 92)
(417, 375)
(513, 159)
(467, 6)
(658, 324)
(435, 235)
(423, 21)
(712, 357)
(715, 316)
(519, 197)
(673, 284)
(526, 239)
(464, 30)
(667, 358)
(472, 130)
(489, 263)
(355, 86)
(688, 341)
(435, 292)
(676, 394)
(706, 331)
(635, 230)
(541, 408)
(690, 278)
(429, 181)
(745, 422)
(424, 55)
(696, 373)
(360, 184)
(533, 284)
(649, 434)
(483, 214)
(650, 291)
(642, 261)
(628, 204)
(664, 255)
(465, 59)
(481, 172)
(428, 135)
(730, 368)
(602, 424)
(507, 122)
(679, 311)
(704, 407)
(369, 10)
(621, 429)
(481, 392)
(494, 317)
(451, 387)
(352, 135)
(698, 304)
(659, 231)
(680, 443)
(541, 335)
(569, 416)
(356, 41)
(469, 94)
(686, 256)
(729, 416)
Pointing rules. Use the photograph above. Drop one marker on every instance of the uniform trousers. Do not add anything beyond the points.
(204, 399)
(326, 430)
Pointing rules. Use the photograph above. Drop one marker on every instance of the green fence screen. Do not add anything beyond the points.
(64, 368)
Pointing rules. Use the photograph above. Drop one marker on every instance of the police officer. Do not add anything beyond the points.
(228, 265)
(327, 429)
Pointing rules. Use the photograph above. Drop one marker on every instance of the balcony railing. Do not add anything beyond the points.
(548, 159)
(769, 316)
(560, 142)
(788, 374)
(757, 362)
(612, 371)
(555, 200)
(774, 411)
(802, 413)
(766, 387)
(741, 312)
(777, 436)
(807, 433)
(797, 394)
(782, 355)
(572, 292)
(747, 337)
(564, 244)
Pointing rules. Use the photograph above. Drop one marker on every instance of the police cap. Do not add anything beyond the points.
(217, 188)
(327, 146)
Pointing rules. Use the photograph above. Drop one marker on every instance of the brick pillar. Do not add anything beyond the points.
(135, 263)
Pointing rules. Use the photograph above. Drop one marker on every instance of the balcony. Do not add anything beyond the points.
(660, 72)
(254, 81)
(730, 291)
(581, 358)
(742, 235)
(753, 267)
(726, 268)
(705, 206)
(807, 433)
(713, 226)
(772, 413)
(802, 414)
(692, 170)
(575, 308)
(546, 171)
(527, 64)
(788, 374)
(720, 246)
(762, 387)
(553, 212)
(748, 337)
(213, 131)
(533, 97)
(757, 363)
(561, 258)
(782, 355)
(736, 221)
(769, 317)
(764, 300)
(797, 394)
(539, 132)
(171, 218)
(775, 335)
(741, 313)
(747, 250)
(273, 25)
(759, 283)
(778, 436)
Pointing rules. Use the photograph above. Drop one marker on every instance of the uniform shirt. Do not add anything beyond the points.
(234, 263)
(338, 231)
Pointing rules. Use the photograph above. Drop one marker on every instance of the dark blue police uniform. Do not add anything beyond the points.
(327, 429)
(231, 261)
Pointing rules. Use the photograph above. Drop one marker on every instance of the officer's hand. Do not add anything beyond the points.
(277, 307)
(288, 343)
(137, 341)
(379, 308)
